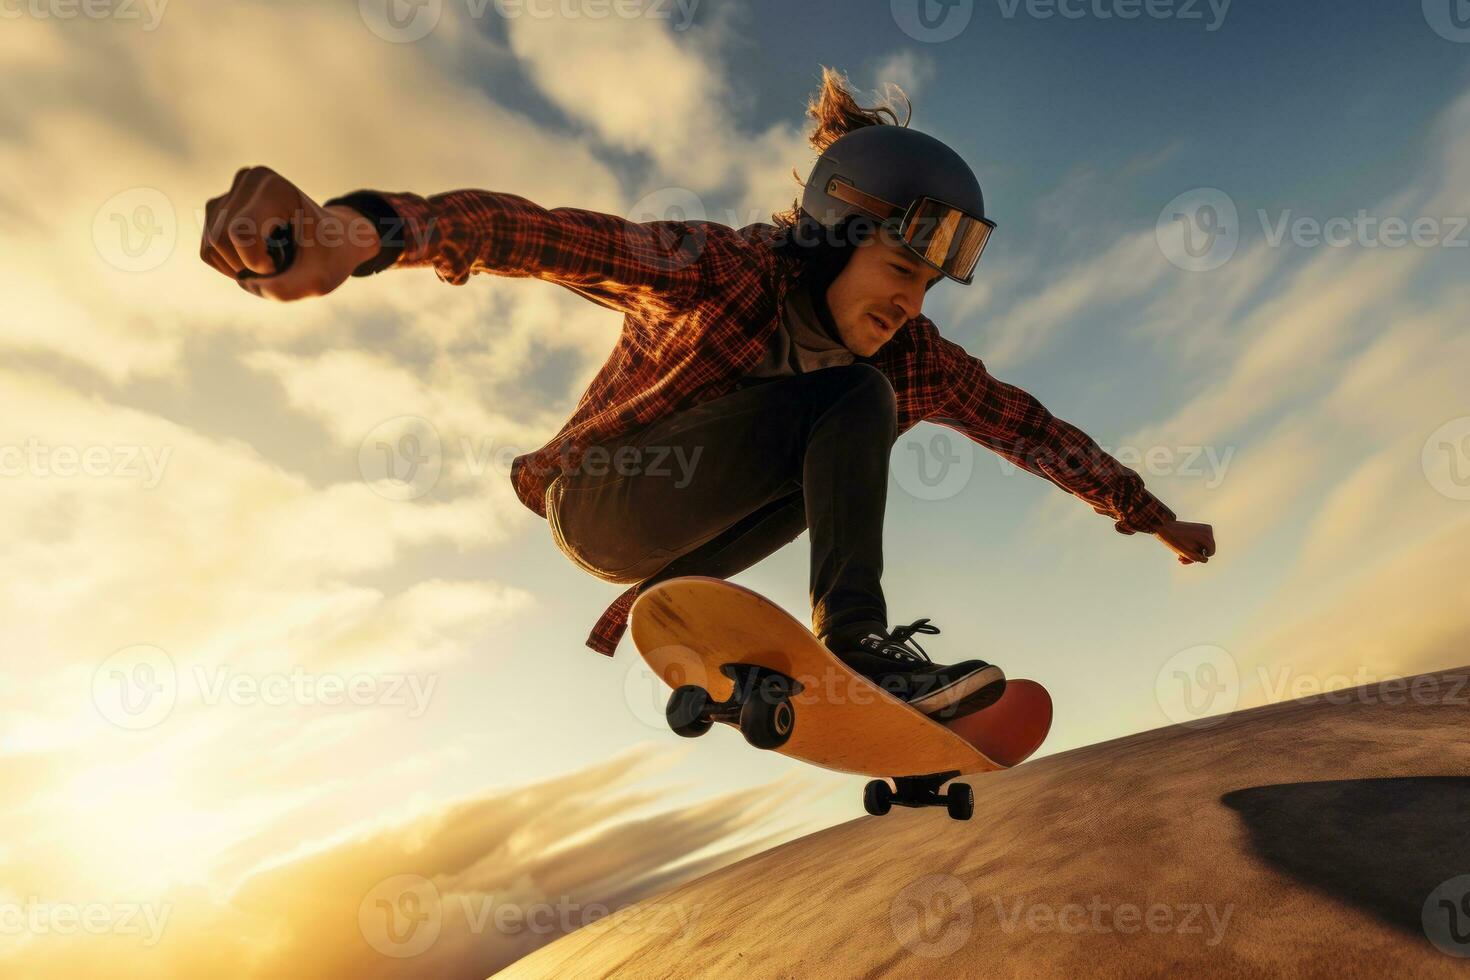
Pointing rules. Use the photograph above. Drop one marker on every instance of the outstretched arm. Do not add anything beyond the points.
(652, 269)
(1014, 424)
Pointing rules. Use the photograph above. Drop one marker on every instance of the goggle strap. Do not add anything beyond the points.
(876, 206)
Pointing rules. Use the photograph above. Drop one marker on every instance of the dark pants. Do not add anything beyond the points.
(714, 489)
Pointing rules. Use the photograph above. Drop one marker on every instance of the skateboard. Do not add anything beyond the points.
(733, 656)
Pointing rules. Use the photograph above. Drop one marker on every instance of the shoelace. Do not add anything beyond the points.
(895, 644)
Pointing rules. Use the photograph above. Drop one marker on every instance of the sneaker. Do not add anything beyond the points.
(895, 662)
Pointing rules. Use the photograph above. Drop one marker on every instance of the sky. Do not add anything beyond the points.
(263, 710)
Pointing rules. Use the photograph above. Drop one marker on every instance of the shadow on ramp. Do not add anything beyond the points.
(1380, 844)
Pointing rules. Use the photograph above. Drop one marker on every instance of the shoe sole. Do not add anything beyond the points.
(966, 695)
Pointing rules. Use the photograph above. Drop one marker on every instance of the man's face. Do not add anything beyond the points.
(881, 288)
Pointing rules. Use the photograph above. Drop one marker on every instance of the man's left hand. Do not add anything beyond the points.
(1191, 542)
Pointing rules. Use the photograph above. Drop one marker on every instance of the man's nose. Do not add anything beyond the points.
(910, 302)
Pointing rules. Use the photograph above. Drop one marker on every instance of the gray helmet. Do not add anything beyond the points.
(912, 186)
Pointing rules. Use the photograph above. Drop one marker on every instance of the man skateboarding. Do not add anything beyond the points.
(760, 380)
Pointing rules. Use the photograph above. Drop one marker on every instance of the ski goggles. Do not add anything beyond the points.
(944, 236)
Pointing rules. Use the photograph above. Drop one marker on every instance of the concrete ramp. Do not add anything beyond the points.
(1323, 837)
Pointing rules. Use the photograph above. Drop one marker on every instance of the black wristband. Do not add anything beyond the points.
(388, 223)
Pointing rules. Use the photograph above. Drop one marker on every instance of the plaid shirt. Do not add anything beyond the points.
(700, 304)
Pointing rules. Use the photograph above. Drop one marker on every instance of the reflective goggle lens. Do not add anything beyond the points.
(946, 238)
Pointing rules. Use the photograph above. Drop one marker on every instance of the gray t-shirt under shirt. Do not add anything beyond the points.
(801, 342)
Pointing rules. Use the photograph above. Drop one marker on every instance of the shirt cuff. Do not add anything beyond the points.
(1147, 518)
(388, 223)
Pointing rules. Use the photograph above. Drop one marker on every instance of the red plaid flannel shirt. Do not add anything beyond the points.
(700, 303)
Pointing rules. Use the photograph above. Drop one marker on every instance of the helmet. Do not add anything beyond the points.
(906, 185)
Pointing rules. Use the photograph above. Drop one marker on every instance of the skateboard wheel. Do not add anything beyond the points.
(687, 711)
(960, 801)
(767, 724)
(877, 798)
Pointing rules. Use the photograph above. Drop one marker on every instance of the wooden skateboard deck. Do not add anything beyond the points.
(691, 629)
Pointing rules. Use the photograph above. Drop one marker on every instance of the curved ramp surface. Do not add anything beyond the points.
(1322, 837)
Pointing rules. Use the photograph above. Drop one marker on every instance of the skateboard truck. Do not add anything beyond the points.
(759, 705)
(918, 791)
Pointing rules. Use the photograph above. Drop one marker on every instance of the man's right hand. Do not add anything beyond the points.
(1191, 541)
(330, 242)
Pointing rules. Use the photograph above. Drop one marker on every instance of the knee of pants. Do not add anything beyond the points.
(607, 568)
(865, 384)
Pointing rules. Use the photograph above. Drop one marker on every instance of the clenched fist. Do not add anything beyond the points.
(328, 242)
(1190, 541)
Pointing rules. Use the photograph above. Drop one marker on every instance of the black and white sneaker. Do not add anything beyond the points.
(895, 662)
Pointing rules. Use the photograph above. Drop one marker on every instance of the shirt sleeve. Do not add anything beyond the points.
(651, 268)
(1014, 424)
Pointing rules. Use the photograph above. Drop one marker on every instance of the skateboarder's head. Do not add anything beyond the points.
(885, 214)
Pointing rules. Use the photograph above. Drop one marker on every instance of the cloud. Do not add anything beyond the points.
(1298, 338)
(367, 403)
(109, 274)
(907, 69)
(229, 567)
(501, 873)
(1402, 616)
(644, 86)
(1305, 371)
(637, 86)
(1325, 374)
(1126, 269)
(238, 531)
(161, 501)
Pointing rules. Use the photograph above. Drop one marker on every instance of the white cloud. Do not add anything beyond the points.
(227, 558)
(1322, 380)
(639, 87)
(338, 110)
(272, 556)
(1128, 268)
(908, 69)
(1403, 616)
(560, 852)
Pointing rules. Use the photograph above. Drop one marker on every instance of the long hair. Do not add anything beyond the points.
(834, 113)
